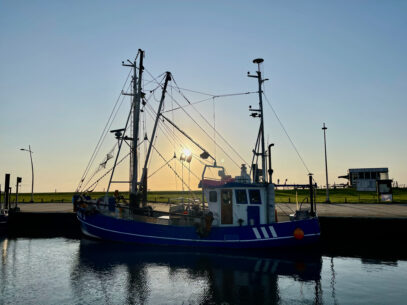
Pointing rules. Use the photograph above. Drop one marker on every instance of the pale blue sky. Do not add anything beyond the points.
(339, 62)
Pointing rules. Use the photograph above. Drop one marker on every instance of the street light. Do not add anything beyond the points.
(32, 171)
(324, 128)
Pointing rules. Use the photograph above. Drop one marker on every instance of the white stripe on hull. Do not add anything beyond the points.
(266, 235)
(256, 233)
(273, 232)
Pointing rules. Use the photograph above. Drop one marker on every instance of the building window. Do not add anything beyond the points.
(213, 196)
(241, 196)
(255, 196)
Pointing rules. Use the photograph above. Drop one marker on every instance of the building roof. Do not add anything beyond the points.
(372, 169)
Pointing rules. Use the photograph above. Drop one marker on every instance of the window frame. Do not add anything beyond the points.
(237, 197)
(210, 196)
(250, 197)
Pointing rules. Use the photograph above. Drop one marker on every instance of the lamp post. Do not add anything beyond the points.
(324, 128)
(32, 171)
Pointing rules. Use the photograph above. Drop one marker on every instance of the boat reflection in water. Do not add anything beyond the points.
(161, 275)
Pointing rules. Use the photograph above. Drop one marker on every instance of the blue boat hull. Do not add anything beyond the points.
(262, 236)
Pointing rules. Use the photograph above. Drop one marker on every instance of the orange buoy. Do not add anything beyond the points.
(298, 234)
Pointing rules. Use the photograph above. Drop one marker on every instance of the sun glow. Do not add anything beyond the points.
(186, 152)
(186, 155)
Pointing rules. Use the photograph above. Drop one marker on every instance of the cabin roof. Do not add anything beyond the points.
(238, 184)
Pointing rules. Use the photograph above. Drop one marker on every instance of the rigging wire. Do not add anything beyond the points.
(194, 91)
(104, 175)
(214, 126)
(203, 130)
(182, 180)
(99, 168)
(285, 131)
(107, 172)
(209, 98)
(157, 170)
(104, 132)
(125, 130)
(227, 143)
(164, 128)
(173, 133)
(194, 103)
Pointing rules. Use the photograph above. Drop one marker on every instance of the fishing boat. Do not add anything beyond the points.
(234, 212)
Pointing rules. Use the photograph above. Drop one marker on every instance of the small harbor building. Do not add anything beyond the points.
(365, 179)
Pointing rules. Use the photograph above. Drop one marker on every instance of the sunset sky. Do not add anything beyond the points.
(339, 62)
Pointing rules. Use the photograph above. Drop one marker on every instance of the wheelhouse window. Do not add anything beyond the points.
(213, 196)
(255, 196)
(241, 196)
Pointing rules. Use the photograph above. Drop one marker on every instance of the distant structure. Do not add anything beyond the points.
(365, 179)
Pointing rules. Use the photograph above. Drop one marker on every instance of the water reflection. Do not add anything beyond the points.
(170, 275)
(65, 271)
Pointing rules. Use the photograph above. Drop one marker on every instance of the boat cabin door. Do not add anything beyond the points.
(226, 207)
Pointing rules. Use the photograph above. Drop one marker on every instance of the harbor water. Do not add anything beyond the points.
(73, 271)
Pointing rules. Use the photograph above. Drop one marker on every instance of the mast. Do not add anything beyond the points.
(137, 96)
(259, 113)
(136, 118)
(143, 180)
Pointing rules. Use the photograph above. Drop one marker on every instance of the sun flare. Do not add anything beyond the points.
(186, 152)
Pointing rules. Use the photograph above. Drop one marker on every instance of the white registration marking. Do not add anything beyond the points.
(273, 232)
(266, 235)
(256, 232)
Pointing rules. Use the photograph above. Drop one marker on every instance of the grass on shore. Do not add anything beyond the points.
(335, 196)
